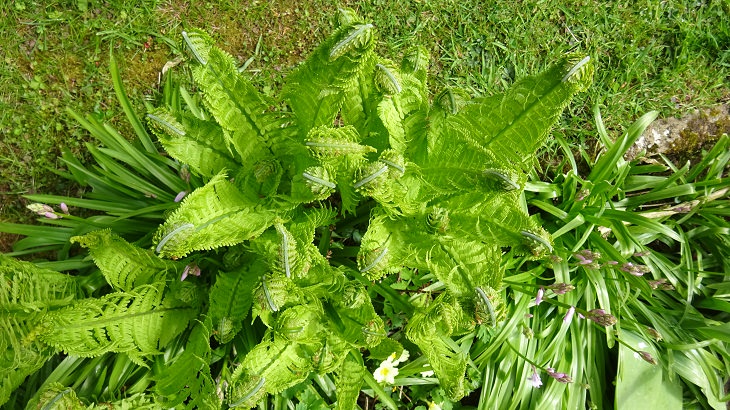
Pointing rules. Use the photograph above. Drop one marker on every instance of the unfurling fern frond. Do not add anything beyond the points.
(387, 79)
(210, 217)
(270, 367)
(136, 323)
(357, 37)
(330, 142)
(431, 330)
(198, 43)
(124, 265)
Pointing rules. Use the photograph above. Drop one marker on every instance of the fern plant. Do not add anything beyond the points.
(258, 280)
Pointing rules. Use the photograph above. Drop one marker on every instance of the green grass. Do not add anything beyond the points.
(672, 57)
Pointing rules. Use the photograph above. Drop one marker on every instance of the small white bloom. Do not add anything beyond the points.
(427, 373)
(386, 372)
(403, 357)
(535, 379)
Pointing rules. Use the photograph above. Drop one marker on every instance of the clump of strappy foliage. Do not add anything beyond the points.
(354, 134)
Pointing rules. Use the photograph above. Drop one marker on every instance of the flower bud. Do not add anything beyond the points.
(561, 288)
(647, 357)
(601, 317)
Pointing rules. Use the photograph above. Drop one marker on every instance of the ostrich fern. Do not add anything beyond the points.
(441, 184)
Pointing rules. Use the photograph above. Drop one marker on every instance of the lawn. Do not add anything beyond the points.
(636, 251)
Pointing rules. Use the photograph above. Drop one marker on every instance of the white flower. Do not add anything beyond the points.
(403, 357)
(427, 373)
(386, 372)
(535, 379)
(433, 406)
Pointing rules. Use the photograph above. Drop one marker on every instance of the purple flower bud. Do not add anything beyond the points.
(561, 288)
(636, 270)
(642, 253)
(660, 284)
(602, 318)
(613, 263)
(655, 334)
(64, 207)
(561, 377)
(40, 209)
(582, 260)
(647, 357)
(583, 194)
(51, 215)
(185, 174)
(191, 269)
(538, 298)
(569, 314)
(180, 196)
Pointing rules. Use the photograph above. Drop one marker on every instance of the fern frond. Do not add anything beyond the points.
(198, 43)
(317, 90)
(503, 130)
(26, 293)
(133, 322)
(270, 367)
(202, 147)
(56, 396)
(235, 104)
(330, 142)
(124, 265)
(431, 330)
(230, 300)
(186, 379)
(357, 37)
(210, 217)
(349, 381)
(387, 78)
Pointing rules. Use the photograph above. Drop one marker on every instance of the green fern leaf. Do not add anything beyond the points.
(506, 130)
(431, 330)
(330, 142)
(317, 90)
(349, 381)
(230, 300)
(26, 293)
(235, 104)
(202, 147)
(135, 323)
(186, 380)
(271, 367)
(124, 265)
(56, 396)
(199, 43)
(210, 217)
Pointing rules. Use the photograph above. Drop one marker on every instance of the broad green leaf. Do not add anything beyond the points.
(640, 385)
